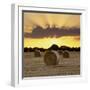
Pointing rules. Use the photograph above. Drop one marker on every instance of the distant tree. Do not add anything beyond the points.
(65, 48)
(25, 49)
(30, 49)
(77, 49)
(42, 49)
(54, 47)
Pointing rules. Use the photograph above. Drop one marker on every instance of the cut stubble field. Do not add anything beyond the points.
(35, 66)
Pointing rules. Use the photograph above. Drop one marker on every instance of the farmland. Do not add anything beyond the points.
(35, 66)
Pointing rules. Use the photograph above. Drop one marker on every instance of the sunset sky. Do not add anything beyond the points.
(63, 29)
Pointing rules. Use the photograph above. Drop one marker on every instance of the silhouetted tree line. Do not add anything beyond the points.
(33, 49)
(53, 47)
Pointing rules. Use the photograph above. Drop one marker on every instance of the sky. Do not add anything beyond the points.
(45, 29)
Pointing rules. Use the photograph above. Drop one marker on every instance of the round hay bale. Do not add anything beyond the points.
(66, 54)
(37, 53)
(60, 52)
(51, 58)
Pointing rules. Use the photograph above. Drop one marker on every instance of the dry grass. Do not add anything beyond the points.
(35, 66)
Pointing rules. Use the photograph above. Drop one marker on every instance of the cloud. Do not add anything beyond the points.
(39, 32)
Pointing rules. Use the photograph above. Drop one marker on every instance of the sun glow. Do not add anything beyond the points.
(47, 42)
(53, 41)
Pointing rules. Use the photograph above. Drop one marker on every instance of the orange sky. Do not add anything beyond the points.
(59, 20)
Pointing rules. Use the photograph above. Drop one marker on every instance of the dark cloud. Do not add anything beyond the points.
(39, 32)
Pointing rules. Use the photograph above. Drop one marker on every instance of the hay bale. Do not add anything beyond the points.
(37, 53)
(51, 58)
(60, 52)
(66, 54)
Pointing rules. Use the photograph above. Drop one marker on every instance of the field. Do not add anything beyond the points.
(35, 66)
